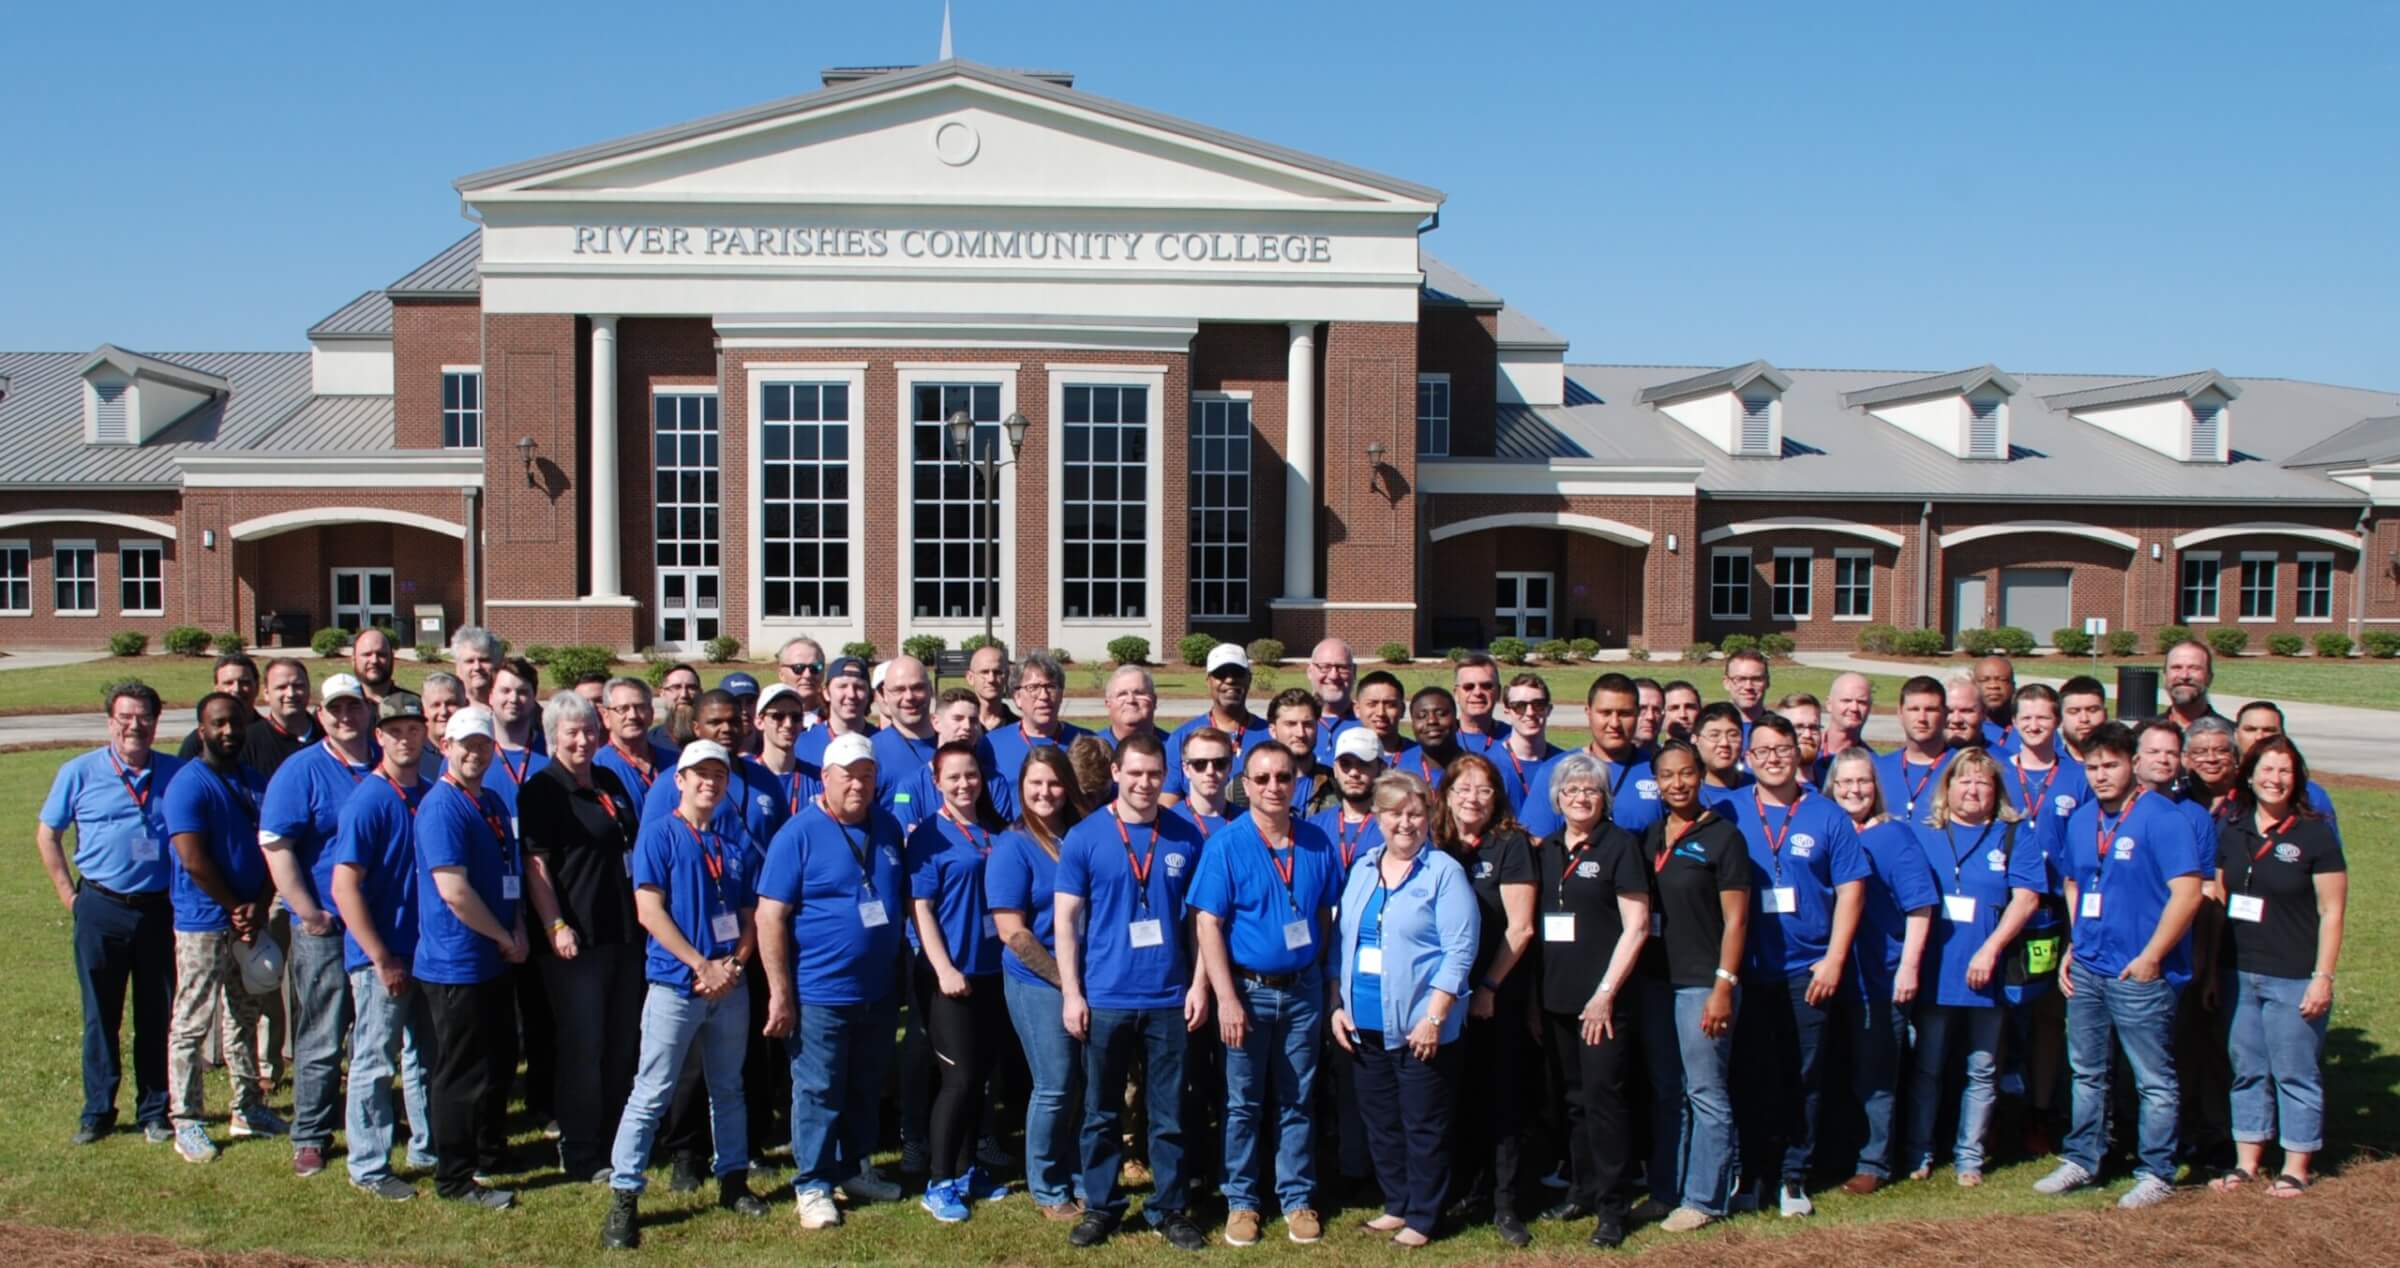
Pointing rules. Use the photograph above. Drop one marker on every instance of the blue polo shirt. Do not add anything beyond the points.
(1329, 730)
(825, 871)
(1519, 777)
(304, 807)
(1254, 732)
(1241, 882)
(1987, 865)
(120, 822)
(222, 809)
(662, 767)
(471, 833)
(700, 876)
(1351, 841)
(1633, 802)
(947, 866)
(1008, 747)
(1819, 852)
(1897, 884)
(1021, 876)
(1909, 788)
(2148, 846)
(748, 816)
(1096, 864)
(378, 836)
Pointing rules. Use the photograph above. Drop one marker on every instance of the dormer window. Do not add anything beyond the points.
(2208, 433)
(1758, 426)
(129, 398)
(2186, 417)
(112, 420)
(1983, 428)
(1739, 410)
(1963, 413)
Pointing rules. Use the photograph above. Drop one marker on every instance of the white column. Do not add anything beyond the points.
(607, 579)
(1300, 464)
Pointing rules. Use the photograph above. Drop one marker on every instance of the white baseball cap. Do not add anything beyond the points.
(339, 686)
(849, 749)
(875, 680)
(1358, 744)
(699, 751)
(471, 721)
(774, 692)
(1224, 654)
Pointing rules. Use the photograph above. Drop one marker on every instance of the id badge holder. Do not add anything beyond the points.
(871, 913)
(1370, 960)
(1960, 908)
(1780, 900)
(2090, 909)
(2249, 908)
(1558, 926)
(1297, 935)
(508, 888)
(1658, 924)
(145, 850)
(1146, 933)
(725, 927)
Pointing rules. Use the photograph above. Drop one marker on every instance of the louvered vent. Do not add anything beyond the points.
(2207, 431)
(112, 421)
(1983, 429)
(1758, 433)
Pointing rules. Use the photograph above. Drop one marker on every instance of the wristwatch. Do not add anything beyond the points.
(1729, 977)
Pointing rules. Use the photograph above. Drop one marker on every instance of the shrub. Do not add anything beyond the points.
(2170, 635)
(863, 650)
(2333, 644)
(2229, 640)
(2070, 640)
(128, 643)
(570, 663)
(1637, 651)
(1698, 653)
(1777, 645)
(2123, 642)
(722, 648)
(2286, 644)
(1394, 654)
(1064, 657)
(327, 641)
(1193, 648)
(1455, 655)
(1921, 642)
(1879, 638)
(1132, 649)
(541, 654)
(229, 642)
(924, 647)
(1975, 642)
(186, 640)
(1509, 651)
(1732, 643)
(655, 665)
(2012, 641)
(1584, 648)
(2381, 644)
(429, 653)
(974, 643)
(1555, 651)
(1266, 651)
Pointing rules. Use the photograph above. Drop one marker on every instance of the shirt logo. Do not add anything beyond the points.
(765, 802)
(1648, 788)
(2124, 848)
(1998, 859)
(1483, 868)
(2286, 852)
(1175, 865)
(1803, 845)
(891, 855)
(1588, 868)
(2065, 804)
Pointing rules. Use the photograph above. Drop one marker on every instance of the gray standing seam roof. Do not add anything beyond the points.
(2186, 386)
(453, 272)
(1730, 379)
(367, 317)
(1956, 383)
(331, 424)
(156, 367)
(41, 421)
(2370, 440)
(1447, 286)
(1520, 331)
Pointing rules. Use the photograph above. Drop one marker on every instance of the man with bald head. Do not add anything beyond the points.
(1962, 713)
(1996, 680)
(371, 663)
(1331, 672)
(903, 747)
(1849, 702)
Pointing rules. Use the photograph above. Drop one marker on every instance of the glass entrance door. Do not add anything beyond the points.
(362, 597)
(684, 487)
(690, 611)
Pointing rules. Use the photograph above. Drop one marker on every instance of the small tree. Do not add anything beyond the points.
(186, 640)
(1193, 648)
(1509, 651)
(128, 643)
(1393, 654)
(1132, 649)
(328, 641)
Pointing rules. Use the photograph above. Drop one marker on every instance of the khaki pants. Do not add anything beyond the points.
(208, 984)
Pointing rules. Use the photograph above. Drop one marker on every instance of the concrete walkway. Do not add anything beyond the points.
(47, 660)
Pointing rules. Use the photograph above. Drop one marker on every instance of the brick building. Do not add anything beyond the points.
(704, 380)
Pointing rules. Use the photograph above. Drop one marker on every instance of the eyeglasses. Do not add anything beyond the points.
(806, 667)
(1780, 750)
(1747, 680)
(1208, 763)
(1529, 706)
(1336, 668)
(1274, 778)
(1038, 688)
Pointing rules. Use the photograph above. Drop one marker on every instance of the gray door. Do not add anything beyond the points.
(1966, 605)
(2035, 600)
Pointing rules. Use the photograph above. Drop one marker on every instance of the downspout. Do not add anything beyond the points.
(2358, 582)
(1925, 549)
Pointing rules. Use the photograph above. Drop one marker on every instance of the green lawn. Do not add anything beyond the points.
(2368, 684)
(248, 1198)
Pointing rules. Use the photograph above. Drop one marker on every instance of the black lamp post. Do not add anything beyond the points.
(987, 466)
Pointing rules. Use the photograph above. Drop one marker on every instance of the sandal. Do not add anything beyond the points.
(2233, 1180)
(1970, 1179)
(1923, 1171)
(2287, 1185)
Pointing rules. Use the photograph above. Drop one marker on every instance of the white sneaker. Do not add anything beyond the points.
(2147, 1191)
(2066, 1179)
(1795, 1203)
(817, 1209)
(869, 1186)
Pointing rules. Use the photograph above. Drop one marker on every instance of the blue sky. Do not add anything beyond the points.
(2114, 188)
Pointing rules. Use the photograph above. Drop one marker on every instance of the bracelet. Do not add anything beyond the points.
(2327, 976)
(1722, 975)
(558, 924)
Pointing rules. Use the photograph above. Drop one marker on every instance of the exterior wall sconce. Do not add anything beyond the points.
(1375, 453)
(525, 452)
(1672, 543)
(208, 539)
(2155, 551)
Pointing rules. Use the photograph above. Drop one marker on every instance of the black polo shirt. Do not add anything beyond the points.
(1685, 885)
(2282, 874)
(1504, 858)
(1583, 884)
(584, 838)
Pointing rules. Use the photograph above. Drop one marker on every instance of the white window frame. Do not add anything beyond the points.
(59, 549)
(365, 607)
(2303, 561)
(1807, 587)
(475, 415)
(2183, 590)
(22, 549)
(1087, 637)
(1749, 582)
(1249, 509)
(1425, 446)
(910, 375)
(1864, 559)
(660, 568)
(766, 631)
(2243, 590)
(157, 550)
(1515, 617)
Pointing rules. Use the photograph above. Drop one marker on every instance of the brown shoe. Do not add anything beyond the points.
(1303, 1227)
(1862, 1184)
(1241, 1228)
(1066, 1212)
(1133, 1174)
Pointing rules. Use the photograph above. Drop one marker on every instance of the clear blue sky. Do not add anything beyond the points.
(2085, 187)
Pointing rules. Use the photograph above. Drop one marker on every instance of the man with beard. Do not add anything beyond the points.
(1228, 711)
(1331, 671)
(2082, 707)
(2191, 671)
(371, 663)
(236, 675)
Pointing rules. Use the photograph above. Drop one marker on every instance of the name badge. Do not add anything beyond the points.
(1959, 907)
(725, 927)
(1297, 935)
(871, 913)
(508, 888)
(1780, 900)
(1370, 960)
(991, 927)
(1558, 926)
(145, 850)
(1658, 924)
(512, 827)
(2247, 907)
(1147, 933)
(2090, 909)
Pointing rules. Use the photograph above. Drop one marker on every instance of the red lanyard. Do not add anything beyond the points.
(641, 766)
(1566, 866)
(1141, 866)
(1424, 767)
(607, 803)
(1675, 834)
(2108, 829)
(341, 761)
(1032, 737)
(1285, 860)
(2269, 842)
(2033, 797)
(1774, 840)
(710, 856)
(385, 775)
(1200, 820)
(516, 774)
(141, 795)
(499, 833)
(269, 718)
(1342, 830)
(967, 829)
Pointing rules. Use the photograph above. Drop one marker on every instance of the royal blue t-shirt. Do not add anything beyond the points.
(1413, 758)
(792, 792)
(1909, 788)
(700, 876)
(1998, 737)
(1819, 852)
(222, 809)
(1021, 876)
(1633, 802)
(1208, 825)
(1241, 882)
(828, 872)
(304, 807)
(662, 767)
(1897, 884)
(810, 747)
(1254, 732)
(947, 868)
(472, 833)
(1351, 841)
(1986, 865)
(1096, 864)
(898, 757)
(1329, 731)
(1520, 778)
(507, 774)
(1007, 748)
(747, 816)
(120, 820)
(378, 836)
(2129, 859)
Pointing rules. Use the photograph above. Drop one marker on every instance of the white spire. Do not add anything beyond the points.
(945, 30)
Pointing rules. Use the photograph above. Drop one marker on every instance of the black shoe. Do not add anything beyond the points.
(687, 1174)
(1181, 1233)
(1511, 1229)
(90, 1133)
(991, 1155)
(733, 1194)
(1568, 1210)
(1092, 1229)
(1609, 1232)
(622, 1230)
(914, 1160)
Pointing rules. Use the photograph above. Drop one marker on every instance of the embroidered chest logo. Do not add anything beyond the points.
(1588, 869)
(1803, 845)
(2286, 852)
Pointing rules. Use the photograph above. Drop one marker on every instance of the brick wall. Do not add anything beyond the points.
(533, 539)
(427, 335)
(293, 572)
(1627, 594)
(1894, 597)
(1367, 525)
(1460, 343)
(42, 626)
(655, 354)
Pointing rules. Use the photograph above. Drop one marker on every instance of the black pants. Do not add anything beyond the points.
(916, 1074)
(537, 1032)
(475, 1037)
(596, 999)
(124, 946)
(964, 1036)
(766, 1072)
(1491, 1113)
(1599, 1126)
(1404, 1104)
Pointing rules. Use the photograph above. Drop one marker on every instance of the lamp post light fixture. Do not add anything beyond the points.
(525, 451)
(1375, 453)
(987, 468)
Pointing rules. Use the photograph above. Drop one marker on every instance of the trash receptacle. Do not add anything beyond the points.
(432, 626)
(2137, 692)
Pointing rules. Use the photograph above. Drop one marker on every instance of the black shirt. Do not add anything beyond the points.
(1584, 883)
(586, 844)
(1710, 859)
(265, 746)
(2283, 941)
(1504, 858)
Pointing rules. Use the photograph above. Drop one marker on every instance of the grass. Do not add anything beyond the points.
(248, 1200)
(2367, 684)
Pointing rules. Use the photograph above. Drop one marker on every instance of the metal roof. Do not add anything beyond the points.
(367, 317)
(1446, 285)
(41, 418)
(1730, 379)
(2369, 440)
(1523, 432)
(130, 362)
(2185, 386)
(453, 272)
(1520, 331)
(330, 424)
(952, 68)
(1955, 383)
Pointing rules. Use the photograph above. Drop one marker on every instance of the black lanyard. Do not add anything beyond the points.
(1958, 881)
(1384, 908)
(860, 851)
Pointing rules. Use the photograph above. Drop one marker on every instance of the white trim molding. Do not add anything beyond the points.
(423, 469)
(1617, 531)
(2309, 532)
(897, 330)
(1559, 477)
(282, 522)
(581, 601)
(1002, 374)
(1336, 605)
(1803, 524)
(113, 519)
(2067, 528)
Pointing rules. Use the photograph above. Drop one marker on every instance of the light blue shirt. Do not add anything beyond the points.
(120, 822)
(1430, 924)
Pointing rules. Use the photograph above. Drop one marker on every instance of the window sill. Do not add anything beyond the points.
(1858, 620)
(2312, 620)
(2256, 620)
(1729, 616)
(1227, 619)
(143, 612)
(1108, 622)
(67, 612)
(16, 611)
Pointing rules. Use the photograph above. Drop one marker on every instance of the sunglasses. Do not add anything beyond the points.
(806, 667)
(1275, 778)
(1208, 763)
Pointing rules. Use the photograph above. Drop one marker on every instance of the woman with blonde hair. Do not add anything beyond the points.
(1018, 882)
(1893, 925)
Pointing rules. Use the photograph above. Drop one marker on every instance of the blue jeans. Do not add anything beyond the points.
(124, 948)
(2141, 1017)
(1054, 1107)
(1273, 1074)
(320, 1021)
(1938, 1030)
(1705, 1136)
(2278, 1087)
(672, 1019)
(1780, 1035)
(1107, 1059)
(1878, 1033)
(840, 1054)
(387, 1035)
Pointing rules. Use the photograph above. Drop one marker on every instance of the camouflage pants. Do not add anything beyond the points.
(208, 983)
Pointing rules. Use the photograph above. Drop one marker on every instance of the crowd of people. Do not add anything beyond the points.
(1298, 960)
